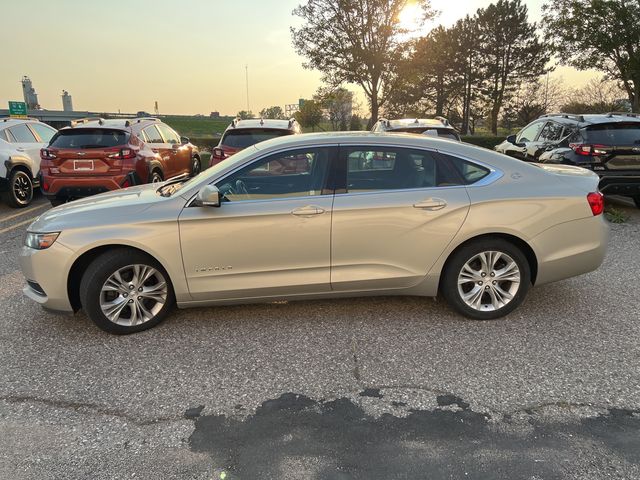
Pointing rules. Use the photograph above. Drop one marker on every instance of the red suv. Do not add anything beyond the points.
(244, 133)
(97, 155)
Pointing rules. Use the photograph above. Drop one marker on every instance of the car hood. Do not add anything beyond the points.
(106, 208)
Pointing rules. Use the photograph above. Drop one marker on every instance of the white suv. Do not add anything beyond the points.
(20, 144)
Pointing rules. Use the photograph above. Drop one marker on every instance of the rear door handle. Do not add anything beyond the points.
(307, 211)
(431, 204)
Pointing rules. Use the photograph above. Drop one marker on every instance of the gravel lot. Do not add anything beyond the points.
(350, 388)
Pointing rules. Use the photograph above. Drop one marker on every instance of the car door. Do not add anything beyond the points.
(400, 209)
(25, 142)
(158, 146)
(180, 154)
(271, 234)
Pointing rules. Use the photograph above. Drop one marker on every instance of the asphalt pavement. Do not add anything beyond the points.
(339, 389)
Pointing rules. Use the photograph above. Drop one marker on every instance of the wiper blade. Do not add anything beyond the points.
(172, 181)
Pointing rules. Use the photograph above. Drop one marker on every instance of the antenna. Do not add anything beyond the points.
(246, 74)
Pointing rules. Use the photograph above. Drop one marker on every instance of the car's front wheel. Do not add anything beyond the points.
(486, 279)
(125, 291)
(20, 191)
(195, 166)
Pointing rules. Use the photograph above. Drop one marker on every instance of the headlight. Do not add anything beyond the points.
(40, 241)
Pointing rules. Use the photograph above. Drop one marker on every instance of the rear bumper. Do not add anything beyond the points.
(77, 187)
(570, 249)
(620, 183)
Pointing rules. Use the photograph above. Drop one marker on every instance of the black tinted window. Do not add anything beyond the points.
(22, 134)
(250, 136)
(614, 134)
(89, 138)
(469, 171)
(552, 132)
(389, 168)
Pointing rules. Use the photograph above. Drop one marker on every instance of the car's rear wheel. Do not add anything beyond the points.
(125, 291)
(486, 279)
(20, 191)
(195, 166)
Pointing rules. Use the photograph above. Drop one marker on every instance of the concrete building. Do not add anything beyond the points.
(29, 94)
(67, 104)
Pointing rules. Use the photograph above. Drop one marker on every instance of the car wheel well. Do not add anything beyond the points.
(80, 266)
(22, 168)
(516, 241)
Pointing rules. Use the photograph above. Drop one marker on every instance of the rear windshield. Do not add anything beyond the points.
(89, 138)
(250, 136)
(614, 134)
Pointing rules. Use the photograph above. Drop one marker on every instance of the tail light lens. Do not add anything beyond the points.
(596, 202)
(218, 152)
(586, 149)
(47, 154)
(123, 154)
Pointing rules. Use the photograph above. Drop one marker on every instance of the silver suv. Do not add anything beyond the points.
(20, 144)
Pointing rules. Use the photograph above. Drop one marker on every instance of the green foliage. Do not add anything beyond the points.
(615, 216)
(483, 141)
(310, 115)
(275, 113)
(245, 115)
(355, 41)
(197, 126)
(338, 102)
(601, 34)
(355, 123)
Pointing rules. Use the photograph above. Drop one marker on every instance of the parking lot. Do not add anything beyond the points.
(350, 388)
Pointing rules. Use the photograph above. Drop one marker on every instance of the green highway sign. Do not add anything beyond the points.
(17, 109)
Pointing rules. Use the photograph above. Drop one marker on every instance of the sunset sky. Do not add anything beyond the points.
(189, 55)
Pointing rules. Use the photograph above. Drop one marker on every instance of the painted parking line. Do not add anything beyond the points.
(22, 212)
(16, 225)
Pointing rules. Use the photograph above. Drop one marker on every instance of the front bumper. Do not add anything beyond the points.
(49, 270)
(570, 249)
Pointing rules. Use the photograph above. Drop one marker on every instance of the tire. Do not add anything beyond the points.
(130, 310)
(156, 177)
(636, 200)
(196, 166)
(20, 191)
(488, 305)
(56, 202)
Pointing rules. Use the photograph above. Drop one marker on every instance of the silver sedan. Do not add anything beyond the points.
(321, 215)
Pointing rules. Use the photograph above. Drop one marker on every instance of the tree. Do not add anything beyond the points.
(338, 102)
(275, 113)
(511, 52)
(355, 41)
(309, 115)
(601, 34)
(244, 115)
(355, 123)
(597, 96)
(533, 100)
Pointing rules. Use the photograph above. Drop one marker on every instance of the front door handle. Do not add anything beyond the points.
(307, 211)
(431, 204)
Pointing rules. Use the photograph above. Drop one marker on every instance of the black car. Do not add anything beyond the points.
(608, 144)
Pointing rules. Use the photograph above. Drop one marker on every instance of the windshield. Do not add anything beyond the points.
(250, 136)
(614, 134)
(170, 188)
(89, 138)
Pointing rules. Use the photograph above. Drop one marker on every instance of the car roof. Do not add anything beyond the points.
(438, 122)
(263, 123)
(119, 123)
(8, 121)
(584, 120)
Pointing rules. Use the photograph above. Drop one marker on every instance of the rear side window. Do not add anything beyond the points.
(246, 137)
(89, 138)
(22, 134)
(153, 135)
(469, 171)
(614, 134)
(552, 132)
(392, 168)
(45, 133)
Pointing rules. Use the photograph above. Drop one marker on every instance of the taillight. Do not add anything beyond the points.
(47, 154)
(588, 149)
(123, 154)
(218, 152)
(596, 202)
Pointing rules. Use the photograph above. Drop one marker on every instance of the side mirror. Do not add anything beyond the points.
(208, 196)
(511, 139)
(184, 140)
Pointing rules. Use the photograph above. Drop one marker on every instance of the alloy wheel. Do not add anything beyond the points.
(489, 281)
(22, 187)
(133, 295)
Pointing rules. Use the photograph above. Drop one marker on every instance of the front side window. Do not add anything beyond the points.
(297, 173)
(44, 132)
(153, 135)
(22, 134)
(552, 132)
(530, 133)
(392, 168)
(169, 135)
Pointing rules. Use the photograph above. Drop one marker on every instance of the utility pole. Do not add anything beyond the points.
(246, 74)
